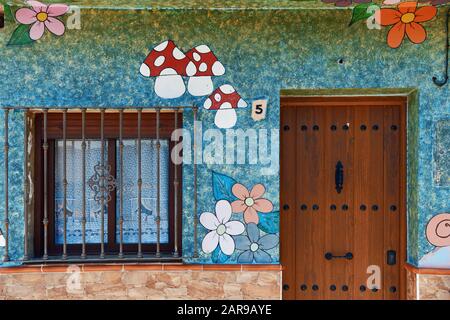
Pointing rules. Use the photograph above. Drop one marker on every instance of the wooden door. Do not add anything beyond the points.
(342, 169)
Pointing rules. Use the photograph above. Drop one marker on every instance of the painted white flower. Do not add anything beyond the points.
(221, 229)
(2, 239)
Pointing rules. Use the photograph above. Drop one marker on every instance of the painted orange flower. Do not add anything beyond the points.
(405, 20)
(250, 202)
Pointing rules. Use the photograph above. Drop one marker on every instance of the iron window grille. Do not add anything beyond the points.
(52, 208)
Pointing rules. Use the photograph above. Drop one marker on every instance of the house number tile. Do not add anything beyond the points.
(259, 109)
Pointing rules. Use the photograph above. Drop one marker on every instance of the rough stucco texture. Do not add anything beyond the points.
(442, 154)
(263, 52)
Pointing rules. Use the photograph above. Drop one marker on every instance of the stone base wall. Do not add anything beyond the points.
(79, 283)
(427, 286)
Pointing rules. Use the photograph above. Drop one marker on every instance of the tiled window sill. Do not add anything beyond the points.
(141, 267)
(415, 270)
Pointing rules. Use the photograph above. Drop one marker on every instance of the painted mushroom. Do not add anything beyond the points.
(225, 99)
(168, 64)
(207, 65)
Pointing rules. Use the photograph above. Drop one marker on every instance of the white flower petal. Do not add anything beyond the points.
(235, 227)
(223, 211)
(226, 244)
(210, 242)
(209, 220)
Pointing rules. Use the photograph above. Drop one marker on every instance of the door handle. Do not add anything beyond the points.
(339, 176)
(330, 256)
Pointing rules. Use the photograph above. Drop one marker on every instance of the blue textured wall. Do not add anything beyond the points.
(263, 52)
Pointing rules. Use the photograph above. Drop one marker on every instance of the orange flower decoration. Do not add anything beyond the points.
(250, 202)
(405, 20)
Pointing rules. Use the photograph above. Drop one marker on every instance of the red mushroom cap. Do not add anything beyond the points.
(224, 97)
(205, 61)
(167, 59)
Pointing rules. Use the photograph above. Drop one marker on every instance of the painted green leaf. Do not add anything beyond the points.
(20, 36)
(222, 185)
(361, 12)
(269, 222)
(8, 13)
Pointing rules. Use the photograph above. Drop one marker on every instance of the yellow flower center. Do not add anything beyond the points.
(408, 17)
(42, 16)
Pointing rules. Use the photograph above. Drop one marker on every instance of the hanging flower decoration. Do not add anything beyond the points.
(250, 203)
(255, 246)
(35, 19)
(405, 20)
(221, 229)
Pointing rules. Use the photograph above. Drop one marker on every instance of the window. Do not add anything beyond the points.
(68, 162)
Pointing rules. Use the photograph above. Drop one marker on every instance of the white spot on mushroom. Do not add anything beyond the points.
(203, 66)
(144, 70)
(203, 48)
(168, 72)
(227, 89)
(241, 104)
(196, 56)
(226, 105)
(177, 54)
(161, 46)
(191, 69)
(159, 61)
(217, 97)
(218, 69)
(207, 104)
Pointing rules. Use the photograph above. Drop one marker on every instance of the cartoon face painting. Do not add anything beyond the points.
(438, 230)
(438, 234)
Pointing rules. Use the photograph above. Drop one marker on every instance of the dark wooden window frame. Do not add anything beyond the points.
(111, 135)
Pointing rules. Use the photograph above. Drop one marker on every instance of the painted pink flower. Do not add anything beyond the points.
(42, 17)
(250, 203)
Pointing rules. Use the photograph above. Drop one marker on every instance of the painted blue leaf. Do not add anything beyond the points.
(222, 185)
(218, 256)
(269, 222)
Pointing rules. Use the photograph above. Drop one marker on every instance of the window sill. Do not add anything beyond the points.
(429, 271)
(139, 267)
(108, 259)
